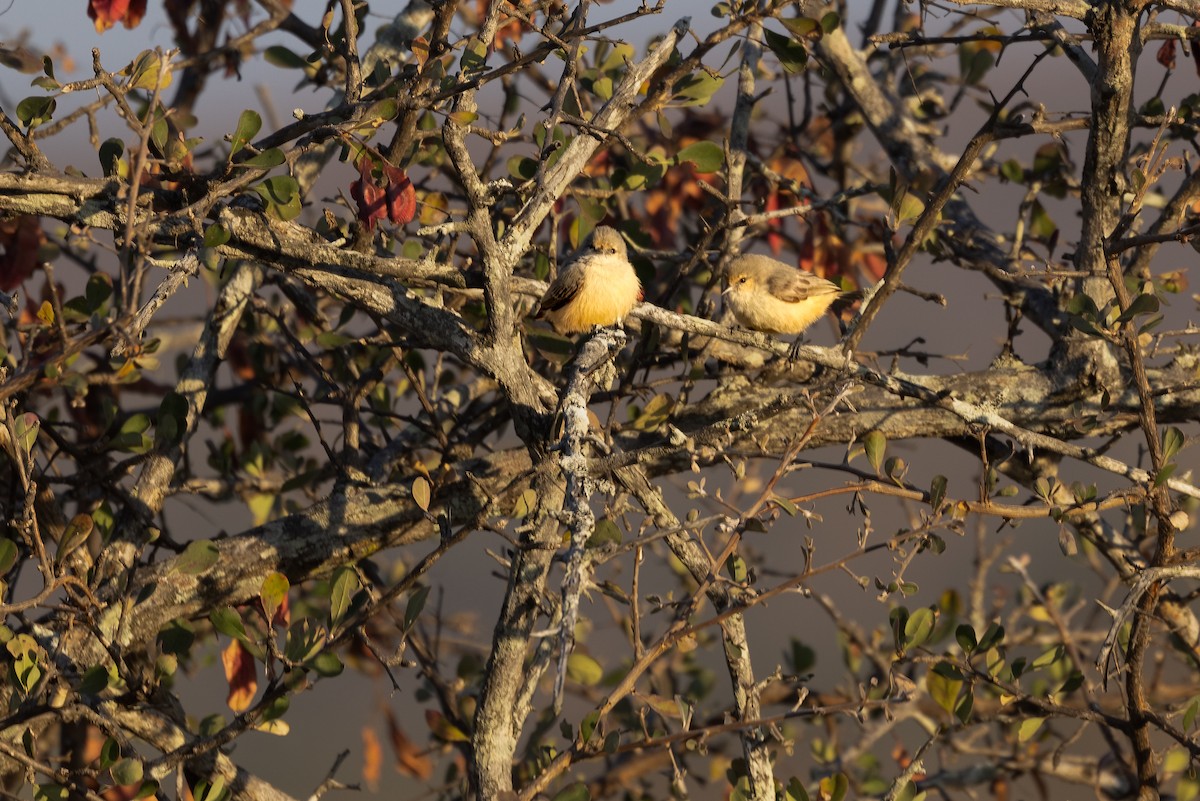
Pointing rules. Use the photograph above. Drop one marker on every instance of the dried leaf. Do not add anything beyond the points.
(107, 13)
(409, 759)
(241, 675)
(372, 757)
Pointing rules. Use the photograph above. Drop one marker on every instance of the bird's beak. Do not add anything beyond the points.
(727, 290)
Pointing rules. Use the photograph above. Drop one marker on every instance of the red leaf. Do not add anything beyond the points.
(107, 13)
(241, 675)
(1166, 54)
(367, 195)
(20, 237)
(395, 200)
(402, 198)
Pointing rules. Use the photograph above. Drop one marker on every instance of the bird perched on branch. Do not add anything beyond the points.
(767, 295)
(597, 288)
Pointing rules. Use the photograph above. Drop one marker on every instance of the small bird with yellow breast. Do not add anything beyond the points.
(598, 288)
(767, 295)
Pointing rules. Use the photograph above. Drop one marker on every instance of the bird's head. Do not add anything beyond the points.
(606, 241)
(741, 280)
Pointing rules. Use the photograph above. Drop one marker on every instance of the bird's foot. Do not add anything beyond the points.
(793, 354)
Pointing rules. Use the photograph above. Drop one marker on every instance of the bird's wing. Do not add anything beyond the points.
(564, 288)
(795, 286)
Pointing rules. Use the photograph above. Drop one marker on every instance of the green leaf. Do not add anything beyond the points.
(1028, 728)
(1041, 225)
(965, 635)
(588, 726)
(944, 683)
(415, 604)
(36, 110)
(1142, 304)
(50, 792)
(875, 445)
(1163, 475)
(474, 57)
(110, 156)
(606, 531)
(265, 160)
(657, 411)
(149, 789)
(1073, 682)
(95, 680)
(584, 670)
(1012, 171)
(1189, 717)
(216, 235)
(248, 126)
(327, 664)
(919, 627)
(227, 621)
(707, 156)
(144, 72)
(963, 711)
(697, 89)
(198, 557)
(272, 594)
(176, 637)
(172, 420)
(795, 791)
(937, 492)
(603, 88)
(1188, 787)
(127, 771)
(573, 792)
(99, 290)
(26, 427)
(8, 555)
(835, 787)
(75, 534)
(522, 167)
(974, 63)
(525, 504)
(992, 637)
(802, 27)
(792, 55)
(909, 208)
(280, 56)
(345, 584)
(281, 193)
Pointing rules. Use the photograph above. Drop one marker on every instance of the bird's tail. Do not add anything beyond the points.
(845, 300)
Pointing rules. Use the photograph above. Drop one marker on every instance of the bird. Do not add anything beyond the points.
(767, 295)
(597, 288)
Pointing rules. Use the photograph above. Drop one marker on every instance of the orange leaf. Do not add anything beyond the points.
(409, 760)
(372, 757)
(241, 675)
(107, 13)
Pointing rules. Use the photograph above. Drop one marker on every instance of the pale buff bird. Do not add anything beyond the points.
(597, 288)
(767, 295)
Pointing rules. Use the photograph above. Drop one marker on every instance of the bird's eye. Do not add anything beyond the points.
(743, 280)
